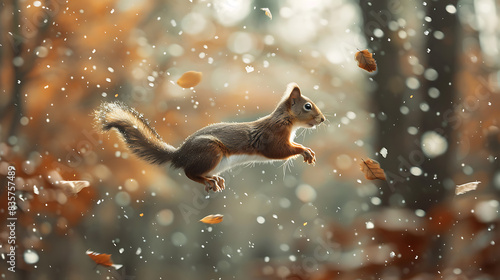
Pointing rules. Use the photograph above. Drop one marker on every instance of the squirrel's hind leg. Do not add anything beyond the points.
(206, 153)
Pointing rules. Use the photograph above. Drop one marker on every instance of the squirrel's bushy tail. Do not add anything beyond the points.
(142, 139)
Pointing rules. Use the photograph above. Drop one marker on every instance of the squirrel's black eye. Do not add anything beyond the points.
(308, 106)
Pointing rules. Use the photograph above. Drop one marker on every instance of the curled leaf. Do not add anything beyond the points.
(212, 219)
(102, 259)
(68, 187)
(190, 79)
(268, 12)
(73, 187)
(372, 169)
(461, 189)
(365, 60)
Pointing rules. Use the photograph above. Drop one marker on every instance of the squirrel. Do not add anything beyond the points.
(218, 147)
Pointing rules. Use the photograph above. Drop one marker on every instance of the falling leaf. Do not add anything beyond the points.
(305, 224)
(372, 169)
(461, 189)
(189, 79)
(73, 187)
(212, 219)
(268, 12)
(68, 187)
(102, 259)
(142, 214)
(365, 60)
(384, 152)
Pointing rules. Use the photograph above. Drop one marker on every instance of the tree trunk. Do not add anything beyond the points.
(389, 95)
(440, 119)
(397, 107)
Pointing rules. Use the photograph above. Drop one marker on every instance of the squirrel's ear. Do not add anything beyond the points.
(292, 93)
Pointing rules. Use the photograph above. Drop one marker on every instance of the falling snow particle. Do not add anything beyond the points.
(31, 257)
(420, 213)
(416, 171)
(451, 9)
(433, 144)
(249, 69)
(261, 220)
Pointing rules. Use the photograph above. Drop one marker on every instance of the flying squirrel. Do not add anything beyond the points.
(220, 146)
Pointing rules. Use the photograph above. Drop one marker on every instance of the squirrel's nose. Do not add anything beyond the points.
(322, 119)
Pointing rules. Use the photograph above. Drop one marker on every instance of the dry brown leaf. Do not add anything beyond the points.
(268, 12)
(461, 189)
(212, 219)
(365, 60)
(190, 79)
(102, 259)
(372, 169)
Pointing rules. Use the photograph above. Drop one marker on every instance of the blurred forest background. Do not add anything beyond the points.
(429, 115)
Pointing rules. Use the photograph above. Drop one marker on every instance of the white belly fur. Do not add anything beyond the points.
(235, 160)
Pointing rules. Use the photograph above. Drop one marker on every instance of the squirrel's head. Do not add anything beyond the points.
(302, 110)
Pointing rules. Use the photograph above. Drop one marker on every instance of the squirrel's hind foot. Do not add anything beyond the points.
(215, 183)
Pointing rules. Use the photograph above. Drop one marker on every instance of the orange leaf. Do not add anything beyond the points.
(102, 259)
(372, 169)
(365, 60)
(212, 219)
(190, 79)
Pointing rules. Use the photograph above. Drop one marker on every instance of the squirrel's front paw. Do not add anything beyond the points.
(309, 156)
